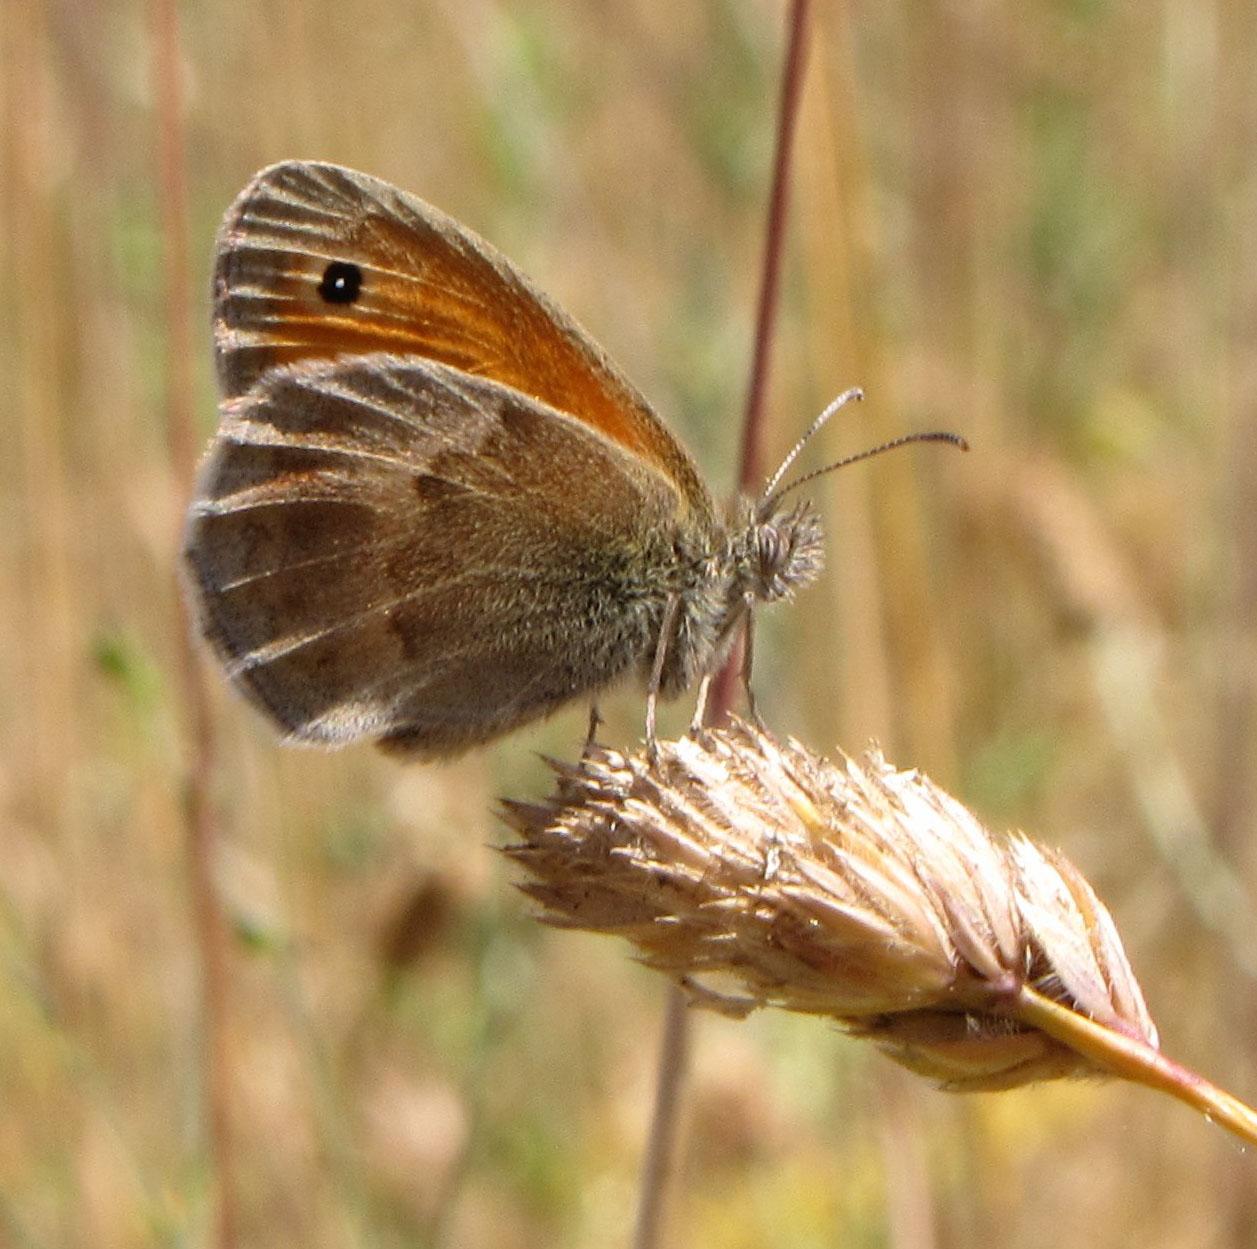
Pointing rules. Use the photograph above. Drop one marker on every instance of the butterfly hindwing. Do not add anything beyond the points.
(378, 548)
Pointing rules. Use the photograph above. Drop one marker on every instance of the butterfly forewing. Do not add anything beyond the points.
(319, 262)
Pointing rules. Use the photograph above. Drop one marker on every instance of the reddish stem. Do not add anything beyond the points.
(751, 473)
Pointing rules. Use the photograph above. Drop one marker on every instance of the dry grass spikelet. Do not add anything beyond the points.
(756, 873)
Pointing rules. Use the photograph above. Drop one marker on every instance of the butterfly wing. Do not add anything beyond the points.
(316, 262)
(387, 546)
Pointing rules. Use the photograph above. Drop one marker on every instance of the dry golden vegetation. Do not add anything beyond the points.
(1031, 223)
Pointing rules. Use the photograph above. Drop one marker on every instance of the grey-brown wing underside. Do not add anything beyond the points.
(388, 547)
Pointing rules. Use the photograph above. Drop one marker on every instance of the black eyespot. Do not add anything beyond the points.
(341, 282)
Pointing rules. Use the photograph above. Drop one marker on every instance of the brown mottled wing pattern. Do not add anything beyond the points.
(430, 288)
(379, 548)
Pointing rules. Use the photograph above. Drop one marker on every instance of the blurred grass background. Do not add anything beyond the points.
(1034, 224)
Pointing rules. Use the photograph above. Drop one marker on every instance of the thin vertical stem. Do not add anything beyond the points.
(211, 927)
(661, 1147)
(674, 1052)
(751, 471)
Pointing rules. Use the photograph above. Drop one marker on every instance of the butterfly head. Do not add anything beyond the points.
(778, 549)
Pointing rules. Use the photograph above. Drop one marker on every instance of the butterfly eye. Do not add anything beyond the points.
(341, 282)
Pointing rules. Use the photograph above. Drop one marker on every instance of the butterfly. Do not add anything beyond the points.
(434, 509)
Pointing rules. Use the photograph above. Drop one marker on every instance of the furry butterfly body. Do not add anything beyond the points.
(434, 509)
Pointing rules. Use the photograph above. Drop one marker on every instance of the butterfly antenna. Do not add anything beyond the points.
(847, 396)
(934, 436)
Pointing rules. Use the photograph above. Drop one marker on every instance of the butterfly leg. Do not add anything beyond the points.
(591, 738)
(748, 657)
(666, 628)
(700, 704)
